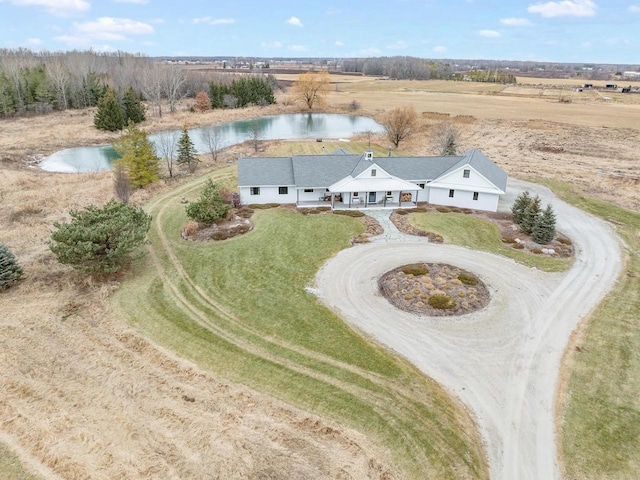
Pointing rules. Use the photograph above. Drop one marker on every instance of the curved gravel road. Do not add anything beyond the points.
(502, 362)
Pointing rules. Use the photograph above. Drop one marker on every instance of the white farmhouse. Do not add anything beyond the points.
(345, 181)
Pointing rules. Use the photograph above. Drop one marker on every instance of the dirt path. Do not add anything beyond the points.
(503, 361)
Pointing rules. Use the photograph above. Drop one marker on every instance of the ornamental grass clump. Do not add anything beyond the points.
(442, 302)
(468, 279)
(416, 269)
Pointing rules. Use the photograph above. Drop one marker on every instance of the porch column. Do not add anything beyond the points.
(366, 199)
(333, 197)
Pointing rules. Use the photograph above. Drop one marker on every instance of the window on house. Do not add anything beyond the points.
(283, 190)
(355, 194)
(475, 195)
(308, 190)
(373, 172)
(451, 192)
(389, 193)
(421, 185)
(255, 190)
(465, 173)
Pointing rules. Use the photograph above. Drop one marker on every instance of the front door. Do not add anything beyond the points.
(372, 197)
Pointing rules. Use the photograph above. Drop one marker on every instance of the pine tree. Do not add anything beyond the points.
(138, 157)
(10, 271)
(544, 229)
(202, 102)
(530, 216)
(210, 207)
(100, 240)
(110, 115)
(187, 152)
(133, 107)
(450, 146)
(519, 205)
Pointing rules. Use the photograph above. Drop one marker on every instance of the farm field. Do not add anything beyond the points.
(61, 328)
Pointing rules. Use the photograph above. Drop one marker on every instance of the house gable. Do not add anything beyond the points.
(465, 177)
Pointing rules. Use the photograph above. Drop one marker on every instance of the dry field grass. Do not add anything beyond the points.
(83, 393)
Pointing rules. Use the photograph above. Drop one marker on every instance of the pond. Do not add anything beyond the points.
(271, 127)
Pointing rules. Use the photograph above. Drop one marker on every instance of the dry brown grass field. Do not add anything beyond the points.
(85, 396)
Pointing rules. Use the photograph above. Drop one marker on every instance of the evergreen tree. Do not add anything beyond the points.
(100, 240)
(109, 115)
(187, 152)
(10, 271)
(530, 215)
(210, 207)
(133, 107)
(519, 205)
(138, 157)
(450, 146)
(544, 229)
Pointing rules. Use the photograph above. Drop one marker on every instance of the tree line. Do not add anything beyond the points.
(41, 82)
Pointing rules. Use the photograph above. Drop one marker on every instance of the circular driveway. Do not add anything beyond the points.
(503, 361)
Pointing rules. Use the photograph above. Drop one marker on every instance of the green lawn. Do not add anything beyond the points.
(600, 417)
(240, 310)
(11, 468)
(472, 232)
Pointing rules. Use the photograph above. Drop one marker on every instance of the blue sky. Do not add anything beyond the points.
(599, 31)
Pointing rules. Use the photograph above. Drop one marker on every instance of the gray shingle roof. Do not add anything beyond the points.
(308, 171)
(254, 172)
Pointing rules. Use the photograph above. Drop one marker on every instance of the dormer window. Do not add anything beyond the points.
(465, 173)
(373, 172)
(368, 154)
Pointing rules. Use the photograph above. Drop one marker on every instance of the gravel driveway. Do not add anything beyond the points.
(503, 362)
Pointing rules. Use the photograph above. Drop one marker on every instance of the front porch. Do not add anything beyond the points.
(338, 205)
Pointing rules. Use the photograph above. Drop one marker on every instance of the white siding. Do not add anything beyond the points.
(267, 195)
(464, 199)
(311, 196)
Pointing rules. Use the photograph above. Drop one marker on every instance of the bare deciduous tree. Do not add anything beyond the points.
(399, 123)
(212, 137)
(255, 134)
(311, 88)
(167, 148)
(121, 183)
(174, 80)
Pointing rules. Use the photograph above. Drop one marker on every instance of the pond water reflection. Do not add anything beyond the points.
(271, 127)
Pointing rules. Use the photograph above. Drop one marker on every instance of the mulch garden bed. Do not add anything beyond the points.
(434, 289)
(236, 224)
(560, 247)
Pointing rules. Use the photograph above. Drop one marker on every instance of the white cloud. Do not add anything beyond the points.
(61, 8)
(272, 44)
(34, 41)
(399, 45)
(295, 21)
(156, 20)
(439, 49)
(141, 2)
(213, 21)
(489, 33)
(586, 44)
(634, 8)
(298, 48)
(338, 43)
(110, 26)
(371, 51)
(107, 29)
(565, 8)
(515, 22)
